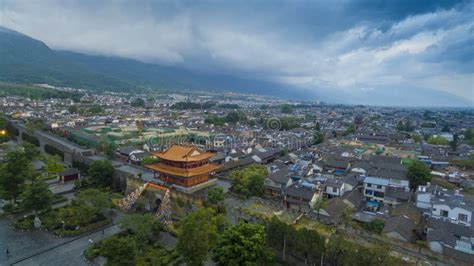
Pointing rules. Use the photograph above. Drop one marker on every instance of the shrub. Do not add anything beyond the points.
(65, 233)
(26, 223)
(375, 226)
(8, 208)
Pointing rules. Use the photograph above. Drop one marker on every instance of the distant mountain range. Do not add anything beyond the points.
(27, 60)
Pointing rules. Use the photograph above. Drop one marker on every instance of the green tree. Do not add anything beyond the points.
(119, 250)
(53, 166)
(198, 234)
(36, 197)
(418, 174)
(249, 181)
(309, 244)
(13, 173)
(108, 147)
(256, 185)
(215, 120)
(95, 110)
(76, 215)
(215, 195)
(350, 130)
(144, 227)
(469, 136)
(346, 217)
(318, 138)
(375, 226)
(234, 117)
(149, 160)
(437, 140)
(73, 109)
(30, 151)
(286, 108)
(138, 102)
(317, 127)
(319, 205)
(455, 142)
(94, 199)
(101, 173)
(242, 244)
(278, 235)
(416, 138)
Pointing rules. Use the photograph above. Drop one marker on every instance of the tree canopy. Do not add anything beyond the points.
(15, 170)
(119, 250)
(286, 108)
(249, 181)
(144, 227)
(419, 174)
(53, 166)
(93, 198)
(198, 234)
(438, 140)
(36, 197)
(101, 173)
(138, 102)
(215, 195)
(242, 244)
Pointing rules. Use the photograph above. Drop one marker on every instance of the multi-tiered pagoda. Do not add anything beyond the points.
(183, 165)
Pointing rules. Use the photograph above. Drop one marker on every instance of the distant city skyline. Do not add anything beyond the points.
(370, 51)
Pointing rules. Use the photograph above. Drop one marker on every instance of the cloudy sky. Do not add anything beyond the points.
(361, 48)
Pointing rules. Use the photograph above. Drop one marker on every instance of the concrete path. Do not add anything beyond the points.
(69, 253)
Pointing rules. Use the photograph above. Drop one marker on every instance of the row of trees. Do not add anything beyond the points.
(281, 123)
(204, 232)
(312, 247)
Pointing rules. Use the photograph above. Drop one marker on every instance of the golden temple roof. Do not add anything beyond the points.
(180, 153)
(190, 172)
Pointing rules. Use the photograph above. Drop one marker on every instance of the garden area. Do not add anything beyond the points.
(138, 244)
(85, 213)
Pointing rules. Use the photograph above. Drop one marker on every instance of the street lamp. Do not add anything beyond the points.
(3, 132)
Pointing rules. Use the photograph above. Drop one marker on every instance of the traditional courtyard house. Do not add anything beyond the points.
(334, 187)
(403, 223)
(276, 183)
(445, 205)
(300, 196)
(336, 165)
(376, 187)
(451, 239)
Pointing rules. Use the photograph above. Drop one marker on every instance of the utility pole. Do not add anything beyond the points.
(284, 247)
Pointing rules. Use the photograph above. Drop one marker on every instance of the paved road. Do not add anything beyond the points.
(68, 253)
(23, 245)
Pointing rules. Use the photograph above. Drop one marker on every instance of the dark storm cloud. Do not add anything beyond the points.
(349, 46)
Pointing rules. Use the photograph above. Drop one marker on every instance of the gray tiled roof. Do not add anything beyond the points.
(400, 224)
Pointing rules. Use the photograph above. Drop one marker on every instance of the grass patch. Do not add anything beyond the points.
(470, 191)
(265, 212)
(314, 225)
(442, 183)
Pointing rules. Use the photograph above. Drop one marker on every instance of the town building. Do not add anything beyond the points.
(183, 165)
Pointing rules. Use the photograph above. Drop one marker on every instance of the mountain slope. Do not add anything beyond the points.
(26, 60)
